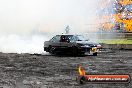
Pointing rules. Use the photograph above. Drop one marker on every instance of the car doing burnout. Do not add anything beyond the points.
(75, 44)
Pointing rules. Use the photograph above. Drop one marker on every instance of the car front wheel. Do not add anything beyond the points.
(95, 54)
(51, 50)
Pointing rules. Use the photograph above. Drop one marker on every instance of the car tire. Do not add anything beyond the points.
(51, 50)
(95, 54)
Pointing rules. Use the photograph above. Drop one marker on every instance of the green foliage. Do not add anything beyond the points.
(115, 41)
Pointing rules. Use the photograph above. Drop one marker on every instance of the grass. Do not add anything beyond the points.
(115, 41)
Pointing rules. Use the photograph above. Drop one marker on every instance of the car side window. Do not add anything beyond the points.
(52, 39)
(55, 39)
(64, 38)
(67, 38)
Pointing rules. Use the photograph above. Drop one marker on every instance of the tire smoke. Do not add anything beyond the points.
(22, 44)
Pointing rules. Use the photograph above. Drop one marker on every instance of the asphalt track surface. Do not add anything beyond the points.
(60, 71)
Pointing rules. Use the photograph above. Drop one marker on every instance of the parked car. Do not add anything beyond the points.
(75, 44)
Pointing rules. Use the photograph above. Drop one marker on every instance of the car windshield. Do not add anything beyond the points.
(81, 38)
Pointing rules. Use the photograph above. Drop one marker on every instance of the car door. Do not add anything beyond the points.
(65, 42)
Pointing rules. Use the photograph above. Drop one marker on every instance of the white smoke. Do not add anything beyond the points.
(21, 19)
(22, 44)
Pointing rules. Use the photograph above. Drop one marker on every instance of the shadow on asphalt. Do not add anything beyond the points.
(67, 55)
(64, 54)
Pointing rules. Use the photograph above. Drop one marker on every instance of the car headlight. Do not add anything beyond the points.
(94, 49)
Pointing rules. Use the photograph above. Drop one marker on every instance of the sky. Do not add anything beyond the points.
(48, 16)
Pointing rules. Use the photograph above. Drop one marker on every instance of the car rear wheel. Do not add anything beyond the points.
(51, 50)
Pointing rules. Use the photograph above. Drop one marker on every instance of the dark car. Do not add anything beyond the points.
(74, 44)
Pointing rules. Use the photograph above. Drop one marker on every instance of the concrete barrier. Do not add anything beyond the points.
(117, 46)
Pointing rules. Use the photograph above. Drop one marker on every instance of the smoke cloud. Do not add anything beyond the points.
(22, 44)
(26, 24)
